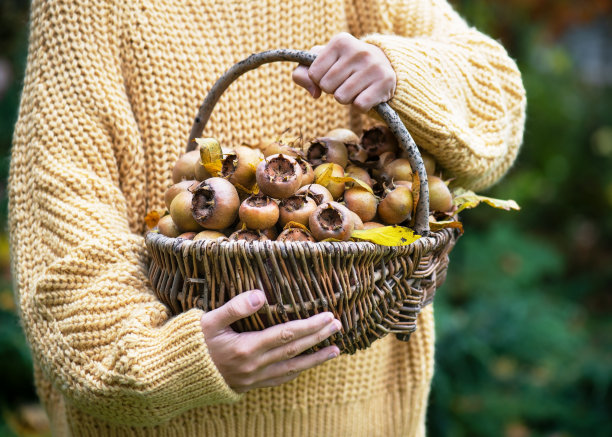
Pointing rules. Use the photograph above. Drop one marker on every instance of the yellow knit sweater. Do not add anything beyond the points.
(110, 92)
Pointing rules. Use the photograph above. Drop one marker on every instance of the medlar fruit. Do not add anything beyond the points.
(396, 206)
(331, 220)
(296, 208)
(259, 212)
(215, 203)
(279, 176)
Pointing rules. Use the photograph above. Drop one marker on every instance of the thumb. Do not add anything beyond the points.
(237, 308)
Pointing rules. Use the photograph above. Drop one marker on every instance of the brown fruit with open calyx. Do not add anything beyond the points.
(331, 220)
(184, 167)
(361, 202)
(307, 171)
(180, 210)
(335, 188)
(356, 153)
(239, 167)
(247, 235)
(385, 158)
(259, 212)
(317, 192)
(396, 206)
(324, 150)
(167, 227)
(171, 192)
(295, 234)
(296, 208)
(215, 203)
(440, 197)
(279, 176)
(379, 140)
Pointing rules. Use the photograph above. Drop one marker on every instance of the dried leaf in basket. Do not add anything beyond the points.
(152, 218)
(465, 199)
(292, 224)
(387, 235)
(326, 177)
(211, 155)
(436, 226)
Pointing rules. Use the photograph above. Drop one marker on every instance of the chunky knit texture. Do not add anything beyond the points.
(110, 92)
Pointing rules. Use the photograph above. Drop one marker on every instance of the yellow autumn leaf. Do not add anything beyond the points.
(211, 155)
(436, 226)
(292, 224)
(359, 182)
(325, 177)
(465, 199)
(253, 190)
(152, 218)
(387, 235)
(210, 150)
(214, 168)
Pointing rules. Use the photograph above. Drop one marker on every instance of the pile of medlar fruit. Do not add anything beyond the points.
(270, 192)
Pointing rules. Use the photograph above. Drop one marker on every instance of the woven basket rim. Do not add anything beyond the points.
(330, 245)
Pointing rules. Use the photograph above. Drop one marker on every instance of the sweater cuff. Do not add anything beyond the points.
(182, 351)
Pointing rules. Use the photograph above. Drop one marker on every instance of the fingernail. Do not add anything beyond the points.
(255, 298)
(337, 326)
(333, 354)
(328, 317)
(312, 91)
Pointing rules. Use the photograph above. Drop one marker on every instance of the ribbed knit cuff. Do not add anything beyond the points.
(181, 355)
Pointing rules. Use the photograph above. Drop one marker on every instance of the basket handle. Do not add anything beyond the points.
(421, 224)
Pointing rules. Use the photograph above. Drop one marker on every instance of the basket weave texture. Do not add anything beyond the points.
(373, 290)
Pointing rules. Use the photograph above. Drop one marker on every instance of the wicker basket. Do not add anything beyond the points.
(373, 290)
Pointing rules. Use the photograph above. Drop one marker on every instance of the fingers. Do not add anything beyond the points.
(301, 344)
(285, 333)
(354, 71)
(322, 64)
(300, 76)
(370, 97)
(337, 75)
(285, 371)
(237, 308)
(352, 87)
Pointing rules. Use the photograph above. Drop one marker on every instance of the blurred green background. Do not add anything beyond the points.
(524, 333)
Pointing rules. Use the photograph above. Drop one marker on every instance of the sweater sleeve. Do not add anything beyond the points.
(458, 92)
(94, 326)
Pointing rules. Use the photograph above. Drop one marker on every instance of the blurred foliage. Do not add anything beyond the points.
(523, 321)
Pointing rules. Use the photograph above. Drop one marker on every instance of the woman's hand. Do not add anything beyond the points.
(264, 358)
(353, 71)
